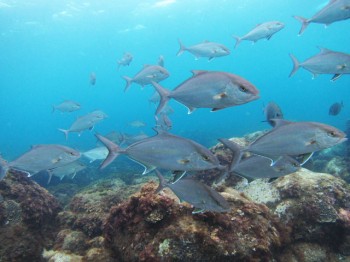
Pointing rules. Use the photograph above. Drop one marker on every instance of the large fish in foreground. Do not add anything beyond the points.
(295, 139)
(209, 89)
(261, 31)
(205, 49)
(42, 158)
(147, 75)
(194, 192)
(85, 122)
(325, 62)
(165, 151)
(335, 10)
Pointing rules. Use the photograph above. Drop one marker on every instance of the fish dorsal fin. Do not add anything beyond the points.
(198, 72)
(324, 50)
(280, 122)
(335, 77)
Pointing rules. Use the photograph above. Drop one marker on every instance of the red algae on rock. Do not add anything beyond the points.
(153, 227)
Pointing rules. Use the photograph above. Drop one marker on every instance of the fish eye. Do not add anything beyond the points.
(332, 134)
(243, 89)
(205, 158)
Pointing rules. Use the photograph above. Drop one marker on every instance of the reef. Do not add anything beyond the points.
(27, 218)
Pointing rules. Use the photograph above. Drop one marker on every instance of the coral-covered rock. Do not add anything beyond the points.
(153, 227)
(314, 206)
(28, 218)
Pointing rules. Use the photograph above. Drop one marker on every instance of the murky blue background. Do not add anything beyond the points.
(49, 48)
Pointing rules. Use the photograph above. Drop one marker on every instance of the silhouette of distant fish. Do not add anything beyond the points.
(209, 89)
(335, 108)
(205, 49)
(261, 31)
(66, 106)
(92, 79)
(69, 170)
(194, 192)
(335, 10)
(272, 111)
(125, 60)
(325, 62)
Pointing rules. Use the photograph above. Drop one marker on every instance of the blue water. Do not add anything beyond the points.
(49, 48)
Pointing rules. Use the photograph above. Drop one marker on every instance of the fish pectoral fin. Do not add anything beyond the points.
(268, 37)
(311, 142)
(91, 128)
(210, 58)
(341, 67)
(198, 210)
(336, 76)
(183, 161)
(345, 7)
(220, 96)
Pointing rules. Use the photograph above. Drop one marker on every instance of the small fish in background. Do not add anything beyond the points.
(261, 31)
(335, 10)
(66, 106)
(155, 98)
(147, 75)
(69, 170)
(205, 49)
(196, 193)
(85, 122)
(325, 62)
(97, 153)
(335, 108)
(125, 60)
(92, 78)
(42, 158)
(137, 124)
(272, 111)
(163, 122)
(209, 89)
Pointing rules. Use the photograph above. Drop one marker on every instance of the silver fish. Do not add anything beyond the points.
(335, 108)
(209, 89)
(97, 153)
(296, 138)
(205, 49)
(335, 10)
(137, 123)
(163, 122)
(146, 75)
(129, 139)
(325, 62)
(92, 79)
(125, 60)
(85, 122)
(69, 170)
(194, 192)
(272, 111)
(43, 158)
(165, 151)
(261, 31)
(66, 106)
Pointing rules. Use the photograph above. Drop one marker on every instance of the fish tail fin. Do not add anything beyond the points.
(304, 23)
(296, 65)
(238, 40)
(236, 150)
(182, 48)
(4, 167)
(162, 182)
(113, 150)
(66, 132)
(164, 96)
(128, 82)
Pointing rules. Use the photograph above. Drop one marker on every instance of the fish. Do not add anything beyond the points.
(129, 139)
(92, 78)
(42, 158)
(85, 122)
(163, 122)
(69, 170)
(335, 108)
(165, 151)
(161, 61)
(335, 10)
(137, 123)
(155, 98)
(147, 74)
(272, 111)
(295, 138)
(66, 106)
(261, 31)
(196, 193)
(209, 89)
(205, 49)
(125, 60)
(325, 62)
(97, 153)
